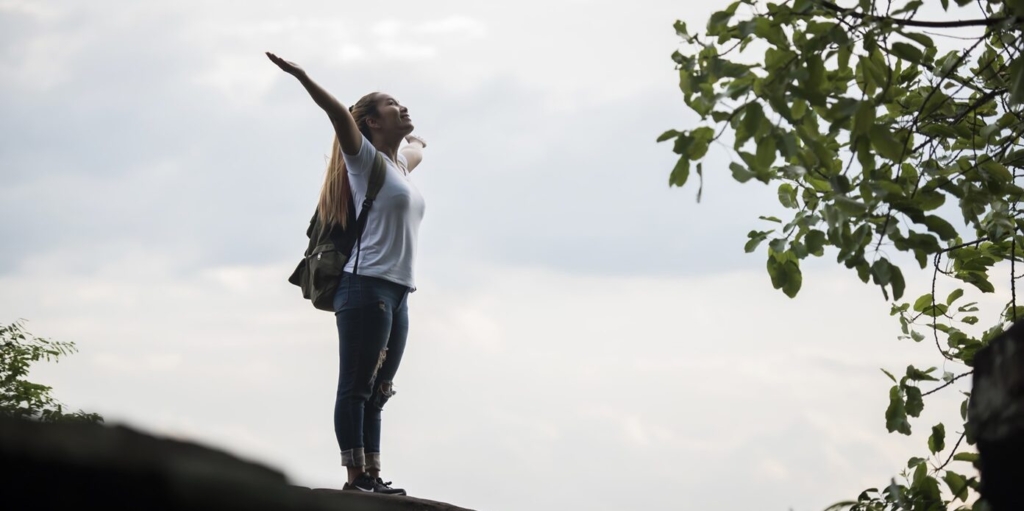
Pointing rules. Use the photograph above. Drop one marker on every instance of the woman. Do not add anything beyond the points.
(370, 306)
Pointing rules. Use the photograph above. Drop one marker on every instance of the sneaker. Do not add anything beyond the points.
(379, 486)
(363, 482)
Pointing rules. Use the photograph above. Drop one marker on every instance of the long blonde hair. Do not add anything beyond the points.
(336, 193)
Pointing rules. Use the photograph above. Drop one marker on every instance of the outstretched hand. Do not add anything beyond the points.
(286, 66)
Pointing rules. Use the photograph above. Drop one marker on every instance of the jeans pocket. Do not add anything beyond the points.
(361, 299)
(353, 293)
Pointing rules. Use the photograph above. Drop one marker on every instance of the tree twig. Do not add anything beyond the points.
(948, 383)
(953, 452)
(987, 22)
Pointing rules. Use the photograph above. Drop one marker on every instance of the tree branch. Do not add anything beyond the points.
(978, 104)
(987, 22)
(953, 452)
(948, 383)
(963, 245)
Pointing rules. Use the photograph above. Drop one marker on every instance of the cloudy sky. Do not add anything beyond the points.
(583, 336)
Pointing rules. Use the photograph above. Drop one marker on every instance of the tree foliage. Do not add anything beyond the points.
(882, 131)
(24, 399)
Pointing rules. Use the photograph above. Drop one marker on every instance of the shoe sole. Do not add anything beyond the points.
(348, 487)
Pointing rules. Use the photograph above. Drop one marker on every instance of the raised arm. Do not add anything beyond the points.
(413, 151)
(344, 125)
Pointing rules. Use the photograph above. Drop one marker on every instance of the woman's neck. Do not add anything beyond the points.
(388, 147)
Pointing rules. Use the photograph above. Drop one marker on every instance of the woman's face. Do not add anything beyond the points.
(392, 117)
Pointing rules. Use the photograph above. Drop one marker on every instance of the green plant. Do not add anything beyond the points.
(24, 399)
(878, 143)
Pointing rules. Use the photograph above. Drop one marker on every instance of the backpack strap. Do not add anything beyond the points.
(380, 170)
(376, 182)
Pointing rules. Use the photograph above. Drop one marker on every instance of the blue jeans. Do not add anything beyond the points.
(373, 323)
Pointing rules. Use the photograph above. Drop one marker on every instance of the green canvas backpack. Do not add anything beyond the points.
(330, 247)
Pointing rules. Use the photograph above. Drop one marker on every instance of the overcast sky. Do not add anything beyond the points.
(584, 337)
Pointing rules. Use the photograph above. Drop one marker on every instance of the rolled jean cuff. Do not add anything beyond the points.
(373, 461)
(354, 458)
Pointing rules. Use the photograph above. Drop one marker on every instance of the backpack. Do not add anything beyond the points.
(329, 249)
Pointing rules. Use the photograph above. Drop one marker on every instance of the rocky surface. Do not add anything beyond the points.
(87, 466)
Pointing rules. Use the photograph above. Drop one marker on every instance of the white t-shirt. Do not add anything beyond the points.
(389, 241)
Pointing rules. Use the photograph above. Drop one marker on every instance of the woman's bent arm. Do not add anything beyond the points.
(413, 152)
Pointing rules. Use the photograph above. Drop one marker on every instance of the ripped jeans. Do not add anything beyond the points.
(373, 323)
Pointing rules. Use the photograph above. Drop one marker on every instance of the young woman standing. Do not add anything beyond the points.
(371, 305)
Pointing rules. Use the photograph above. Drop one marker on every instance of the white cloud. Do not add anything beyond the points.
(406, 51)
(38, 10)
(43, 61)
(389, 28)
(352, 53)
(461, 26)
(458, 26)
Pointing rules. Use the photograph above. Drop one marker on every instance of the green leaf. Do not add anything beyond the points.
(701, 141)
(957, 485)
(815, 241)
(897, 282)
(741, 173)
(753, 118)
(787, 196)
(668, 135)
(772, 32)
(681, 172)
(785, 274)
(997, 171)
(937, 441)
(680, 27)
(923, 302)
(971, 457)
(954, 296)
(756, 237)
(978, 280)
(778, 245)
(840, 183)
(891, 377)
(907, 52)
(845, 52)
(864, 119)
(896, 413)
(939, 226)
(929, 200)
(920, 473)
(881, 272)
(815, 72)
(765, 153)
(885, 143)
(1013, 313)
(916, 374)
(915, 401)
(939, 130)
(1016, 72)
(919, 38)
(700, 176)
(720, 18)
